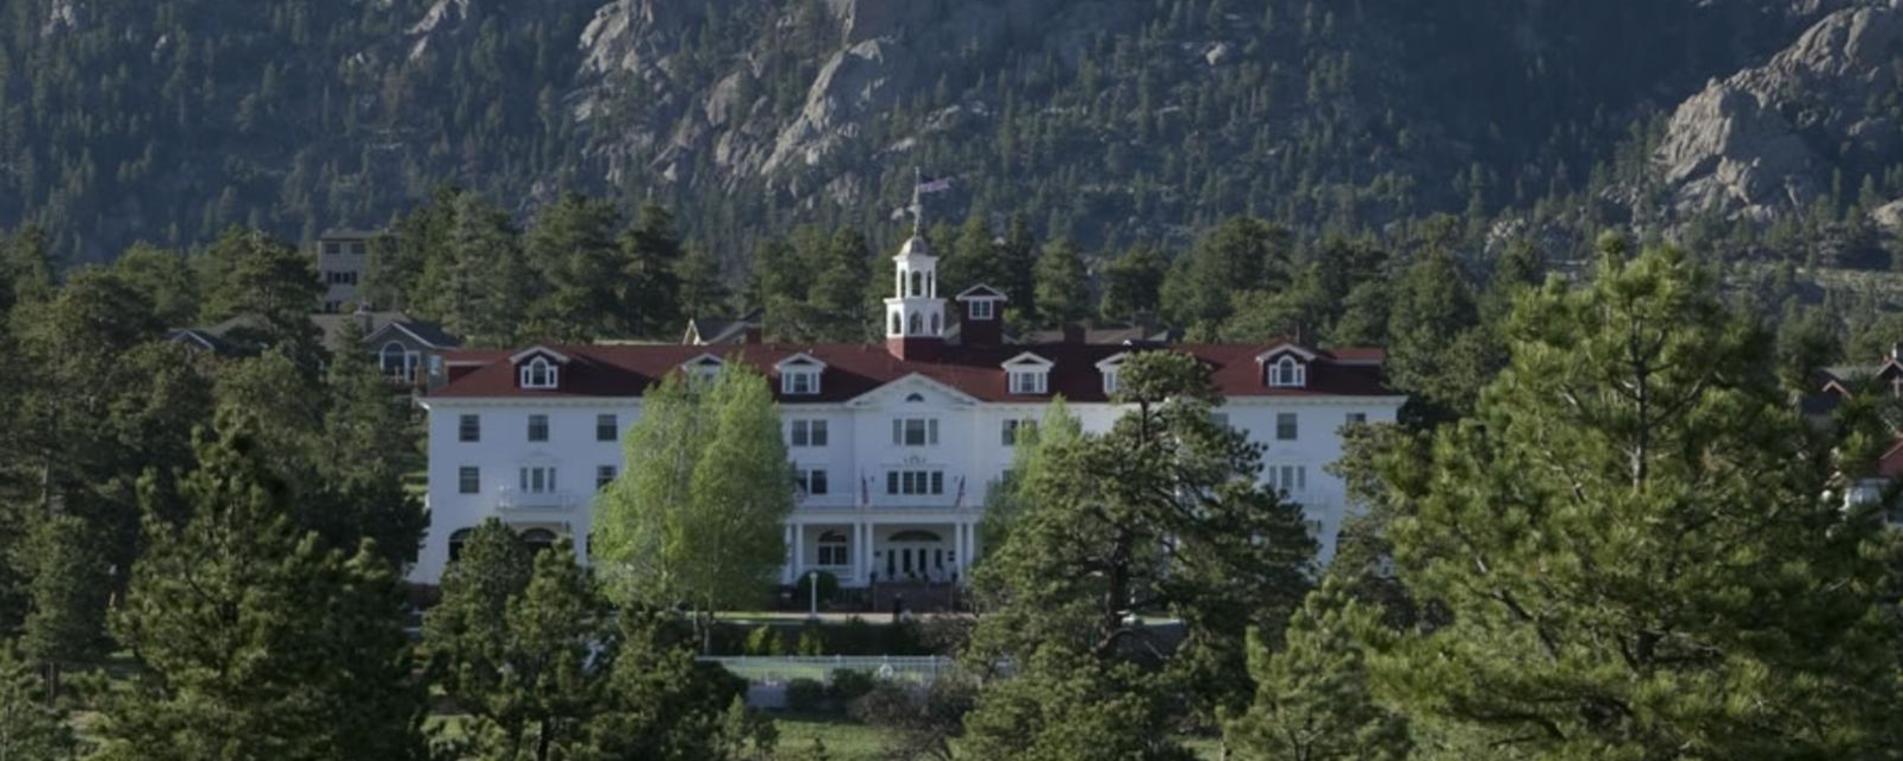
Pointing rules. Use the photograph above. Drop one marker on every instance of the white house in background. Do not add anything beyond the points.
(893, 445)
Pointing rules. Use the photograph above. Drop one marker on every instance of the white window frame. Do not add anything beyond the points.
(807, 432)
(536, 479)
(1288, 372)
(806, 479)
(833, 550)
(540, 373)
(605, 475)
(1015, 430)
(801, 382)
(982, 309)
(902, 431)
(1030, 382)
(1294, 426)
(469, 479)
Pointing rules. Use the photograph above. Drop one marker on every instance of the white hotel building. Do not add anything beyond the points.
(894, 445)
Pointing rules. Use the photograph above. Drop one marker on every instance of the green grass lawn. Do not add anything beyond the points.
(845, 739)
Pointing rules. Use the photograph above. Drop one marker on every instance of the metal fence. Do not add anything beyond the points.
(920, 669)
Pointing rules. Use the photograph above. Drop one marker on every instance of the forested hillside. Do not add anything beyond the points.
(1110, 123)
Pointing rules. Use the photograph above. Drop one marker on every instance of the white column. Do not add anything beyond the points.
(964, 551)
(799, 551)
(786, 570)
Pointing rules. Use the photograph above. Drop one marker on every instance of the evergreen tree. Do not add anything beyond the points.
(651, 256)
(32, 727)
(1019, 255)
(1433, 349)
(703, 290)
(1031, 472)
(1162, 514)
(1066, 706)
(513, 646)
(1132, 285)
(665, 704)
(240, 623)
(1063, 287)
(476, 281)
(71, 584)
(573, 247)
(1314, 698)
(166, 278)
(271, 286)
(1637, 548)
(844, 291)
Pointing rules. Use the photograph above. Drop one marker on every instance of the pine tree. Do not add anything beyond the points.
(703, 289)
(666, 705)
(32, 727)
(1636, 546)
(1063, 286)
(1162, 513)
(1132, 285)
(243, 628)
(1065, 706)
(651, 254)
(270, 285)
(514, 649)
(1314, 698)
(1432, 346)
(573, 247)
(71, 586)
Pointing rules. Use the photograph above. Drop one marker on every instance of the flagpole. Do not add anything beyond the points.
(918, 202)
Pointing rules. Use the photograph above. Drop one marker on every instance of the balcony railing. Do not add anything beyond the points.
(512, 500)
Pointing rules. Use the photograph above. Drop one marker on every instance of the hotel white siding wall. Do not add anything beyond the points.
(970, 446)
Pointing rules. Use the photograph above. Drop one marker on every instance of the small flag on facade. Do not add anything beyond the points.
(865, 492)
(959, 501)
(938, 185)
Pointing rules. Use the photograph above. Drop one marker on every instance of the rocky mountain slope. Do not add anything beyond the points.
(1105, 120)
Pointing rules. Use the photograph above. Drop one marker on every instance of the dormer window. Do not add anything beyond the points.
(1030, 381)
(799, 375)
(702, 370)
(1111, 369)
(983, 309)
(539, 373)
(1288, 372)
(1028, 374)
(538, 368)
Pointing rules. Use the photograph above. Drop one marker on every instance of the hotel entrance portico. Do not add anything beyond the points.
(865, 552)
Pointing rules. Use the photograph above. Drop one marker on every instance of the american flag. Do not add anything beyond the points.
(865, 492)
(959, 501)
(938, 185)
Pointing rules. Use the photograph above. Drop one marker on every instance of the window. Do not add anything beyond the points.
(1285, 426)
(538, 428)
(833, 550)
(1357, 418)
(799, 382)
(811, 481)
(914, 482)
(468, 479)
(538, 539)
(1029, 381)
(1219, 418)
(604, 475)
(332, 248)
(1292, 479)
(397, 362)
(1110, 384)
(607, 428)
(539, 373)
(1288, 372)
(469, 428)
(915, 432)
(456, 542)
(538, 479)
(982, 309)
(807, 433)
(1019, 431)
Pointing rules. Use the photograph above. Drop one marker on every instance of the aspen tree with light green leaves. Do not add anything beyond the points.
(694, 520)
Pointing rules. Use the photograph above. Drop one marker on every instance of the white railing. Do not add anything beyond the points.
(763, 669)
(516, 500)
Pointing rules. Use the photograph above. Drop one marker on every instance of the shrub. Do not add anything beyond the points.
(828, 589)
(764, 640)
(812, 640)
(805, 695)
(848, 686)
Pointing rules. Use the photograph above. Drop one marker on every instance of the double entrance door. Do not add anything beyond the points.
(917, 556)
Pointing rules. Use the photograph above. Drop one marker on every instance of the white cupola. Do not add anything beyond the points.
(914, 315)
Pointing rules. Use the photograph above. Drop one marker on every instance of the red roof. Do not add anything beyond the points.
(853, 370)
